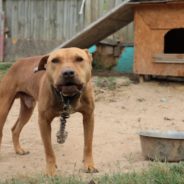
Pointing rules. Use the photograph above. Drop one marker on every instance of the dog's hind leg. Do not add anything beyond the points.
(27, 105)
(6, 102)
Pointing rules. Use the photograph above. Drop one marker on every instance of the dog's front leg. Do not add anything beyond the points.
(88, 124)
(45, 129)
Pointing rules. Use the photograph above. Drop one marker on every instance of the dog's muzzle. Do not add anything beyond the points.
(69, 89)
(69, 84)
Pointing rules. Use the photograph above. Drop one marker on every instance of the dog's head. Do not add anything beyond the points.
(68, 69)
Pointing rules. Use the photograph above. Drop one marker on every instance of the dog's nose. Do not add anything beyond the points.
(68, 74)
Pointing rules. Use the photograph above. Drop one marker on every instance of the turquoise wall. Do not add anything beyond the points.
(125, 62)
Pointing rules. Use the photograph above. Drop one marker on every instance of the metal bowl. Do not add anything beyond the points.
(162, 146)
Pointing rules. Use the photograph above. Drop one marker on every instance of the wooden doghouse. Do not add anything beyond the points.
(159, 39)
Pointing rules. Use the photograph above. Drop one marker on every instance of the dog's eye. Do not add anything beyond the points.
(79, 59)
(55, 60)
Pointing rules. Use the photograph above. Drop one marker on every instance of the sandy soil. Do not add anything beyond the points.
(120, 114)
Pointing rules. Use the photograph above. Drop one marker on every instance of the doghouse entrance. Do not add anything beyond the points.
(174, 41)
(173, 48)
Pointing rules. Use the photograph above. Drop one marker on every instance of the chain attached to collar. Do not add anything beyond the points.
(66, 101)
(62, 134)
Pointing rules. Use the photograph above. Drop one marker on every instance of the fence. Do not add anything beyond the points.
(97, 8)
(35, 27)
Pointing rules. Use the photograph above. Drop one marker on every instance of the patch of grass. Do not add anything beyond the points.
(4, 68)
(158, 173)
(106, 82)
(111, 83)
(44, 180)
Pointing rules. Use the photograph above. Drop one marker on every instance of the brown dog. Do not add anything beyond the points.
(61, 74)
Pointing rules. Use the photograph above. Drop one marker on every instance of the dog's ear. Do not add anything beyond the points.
(89, 55)
(41, 64)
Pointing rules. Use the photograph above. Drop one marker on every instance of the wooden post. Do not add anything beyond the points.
(1, 31)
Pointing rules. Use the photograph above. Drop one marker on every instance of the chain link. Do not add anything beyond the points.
(62, 134)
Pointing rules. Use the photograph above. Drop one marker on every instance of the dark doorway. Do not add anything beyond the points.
(174, 41)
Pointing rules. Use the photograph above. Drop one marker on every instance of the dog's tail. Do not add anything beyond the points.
(7, 96)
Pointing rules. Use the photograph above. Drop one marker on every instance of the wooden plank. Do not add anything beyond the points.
(50, 19)
(31, 8)
(118, 2)
(181, 61)
(88, 12)
(105, 26)
(1, 31)
(101, 8)
(59, 20)
(94, 11)
(80, 18)
(169, 58)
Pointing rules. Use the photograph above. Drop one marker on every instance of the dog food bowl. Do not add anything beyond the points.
(162, 146)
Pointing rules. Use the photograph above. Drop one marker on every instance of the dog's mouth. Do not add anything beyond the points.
(70, 88)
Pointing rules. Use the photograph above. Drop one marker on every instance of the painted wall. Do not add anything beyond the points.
(125, 62)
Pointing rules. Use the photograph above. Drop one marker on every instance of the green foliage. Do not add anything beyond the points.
(158, 173)
(106, 82)
(44, 180)
(4, 68)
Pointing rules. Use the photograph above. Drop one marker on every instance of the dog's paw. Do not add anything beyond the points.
(90, 169)
(51, 170)
(22, 152)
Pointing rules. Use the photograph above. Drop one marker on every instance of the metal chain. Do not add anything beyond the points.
(66, 101)
(62, 134)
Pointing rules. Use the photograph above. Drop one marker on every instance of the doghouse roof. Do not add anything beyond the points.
(116, 19)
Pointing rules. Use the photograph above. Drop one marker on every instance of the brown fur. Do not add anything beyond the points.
(21, 82)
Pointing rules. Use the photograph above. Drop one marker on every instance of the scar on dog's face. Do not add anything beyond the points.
(69, 69)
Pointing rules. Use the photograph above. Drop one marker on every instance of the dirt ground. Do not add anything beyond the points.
(120, 114)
